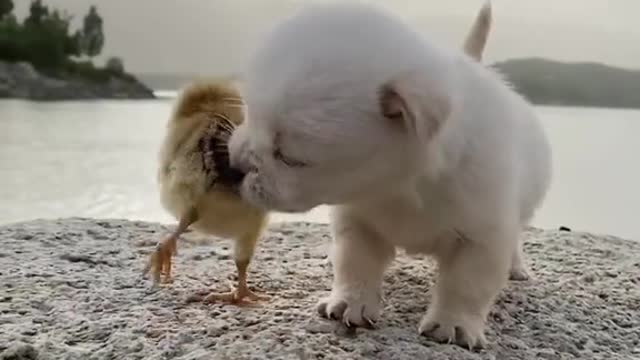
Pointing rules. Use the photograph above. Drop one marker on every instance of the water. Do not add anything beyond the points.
(98, 159)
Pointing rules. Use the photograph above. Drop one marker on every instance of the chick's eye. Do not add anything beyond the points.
(278, 155)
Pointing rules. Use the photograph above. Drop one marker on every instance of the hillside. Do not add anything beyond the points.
(159, 81)
(22, 81)
(542, 81)
(575, 84)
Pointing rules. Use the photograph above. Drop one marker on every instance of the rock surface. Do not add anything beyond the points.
(71, 289)
(21, 80)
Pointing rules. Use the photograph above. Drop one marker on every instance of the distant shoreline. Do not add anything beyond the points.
(171, 94)
(543, 82)
(167, 95)
(22, 81)
(554, 83)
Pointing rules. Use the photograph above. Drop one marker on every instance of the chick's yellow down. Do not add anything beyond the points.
(198, 187)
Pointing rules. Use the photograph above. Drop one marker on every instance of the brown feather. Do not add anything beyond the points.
(206, 111)
(215, 153)
(208, 97)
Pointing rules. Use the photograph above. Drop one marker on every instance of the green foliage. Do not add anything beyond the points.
(72, 44)
(115, 65)
(45, 40)
(92, 35)
(10, 44)
(37, 13)
(6, 7)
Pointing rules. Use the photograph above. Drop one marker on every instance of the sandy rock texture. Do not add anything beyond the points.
(71, 289)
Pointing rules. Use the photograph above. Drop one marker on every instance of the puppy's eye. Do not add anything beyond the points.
(277, 154)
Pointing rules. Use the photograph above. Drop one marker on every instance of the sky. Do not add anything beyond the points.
(213, 37)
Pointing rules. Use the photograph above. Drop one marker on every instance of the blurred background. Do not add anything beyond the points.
(87, 87)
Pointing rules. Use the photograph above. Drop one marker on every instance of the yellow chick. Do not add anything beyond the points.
(197, 185)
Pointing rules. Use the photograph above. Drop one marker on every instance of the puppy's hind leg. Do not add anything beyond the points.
(470, 276)
(359, 259)
(518, 270)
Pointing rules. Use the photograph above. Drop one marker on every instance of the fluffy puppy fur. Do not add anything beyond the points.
(414, 146)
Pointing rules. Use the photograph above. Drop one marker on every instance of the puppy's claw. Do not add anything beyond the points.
(322, 310)
(353, 313)
(334, 311)
(427, 328)
(468, 337)
(519, 275)
(370, 322)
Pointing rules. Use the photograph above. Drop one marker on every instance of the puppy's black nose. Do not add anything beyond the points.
(236, 175)
(231, 176)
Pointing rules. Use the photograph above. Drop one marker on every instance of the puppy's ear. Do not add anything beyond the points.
(421, 107)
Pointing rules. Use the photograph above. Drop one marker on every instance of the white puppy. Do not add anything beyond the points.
(414, 146)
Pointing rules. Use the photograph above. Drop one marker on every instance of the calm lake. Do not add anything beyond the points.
(98, 159)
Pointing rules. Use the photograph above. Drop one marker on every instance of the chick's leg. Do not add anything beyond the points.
(244, 249)
(160, 260)
(243, 291)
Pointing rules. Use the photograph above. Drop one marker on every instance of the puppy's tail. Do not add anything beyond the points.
(207, 97)
(477, 38)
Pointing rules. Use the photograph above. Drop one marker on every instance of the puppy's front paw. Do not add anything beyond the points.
(354, 308)
(519, 274)
(467, 331)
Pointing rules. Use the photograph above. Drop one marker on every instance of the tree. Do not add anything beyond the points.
(92, 35)
(37, 13)
(6, 7)
(11, 48)
(46, 38)
(115, 65)
(72, 46)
